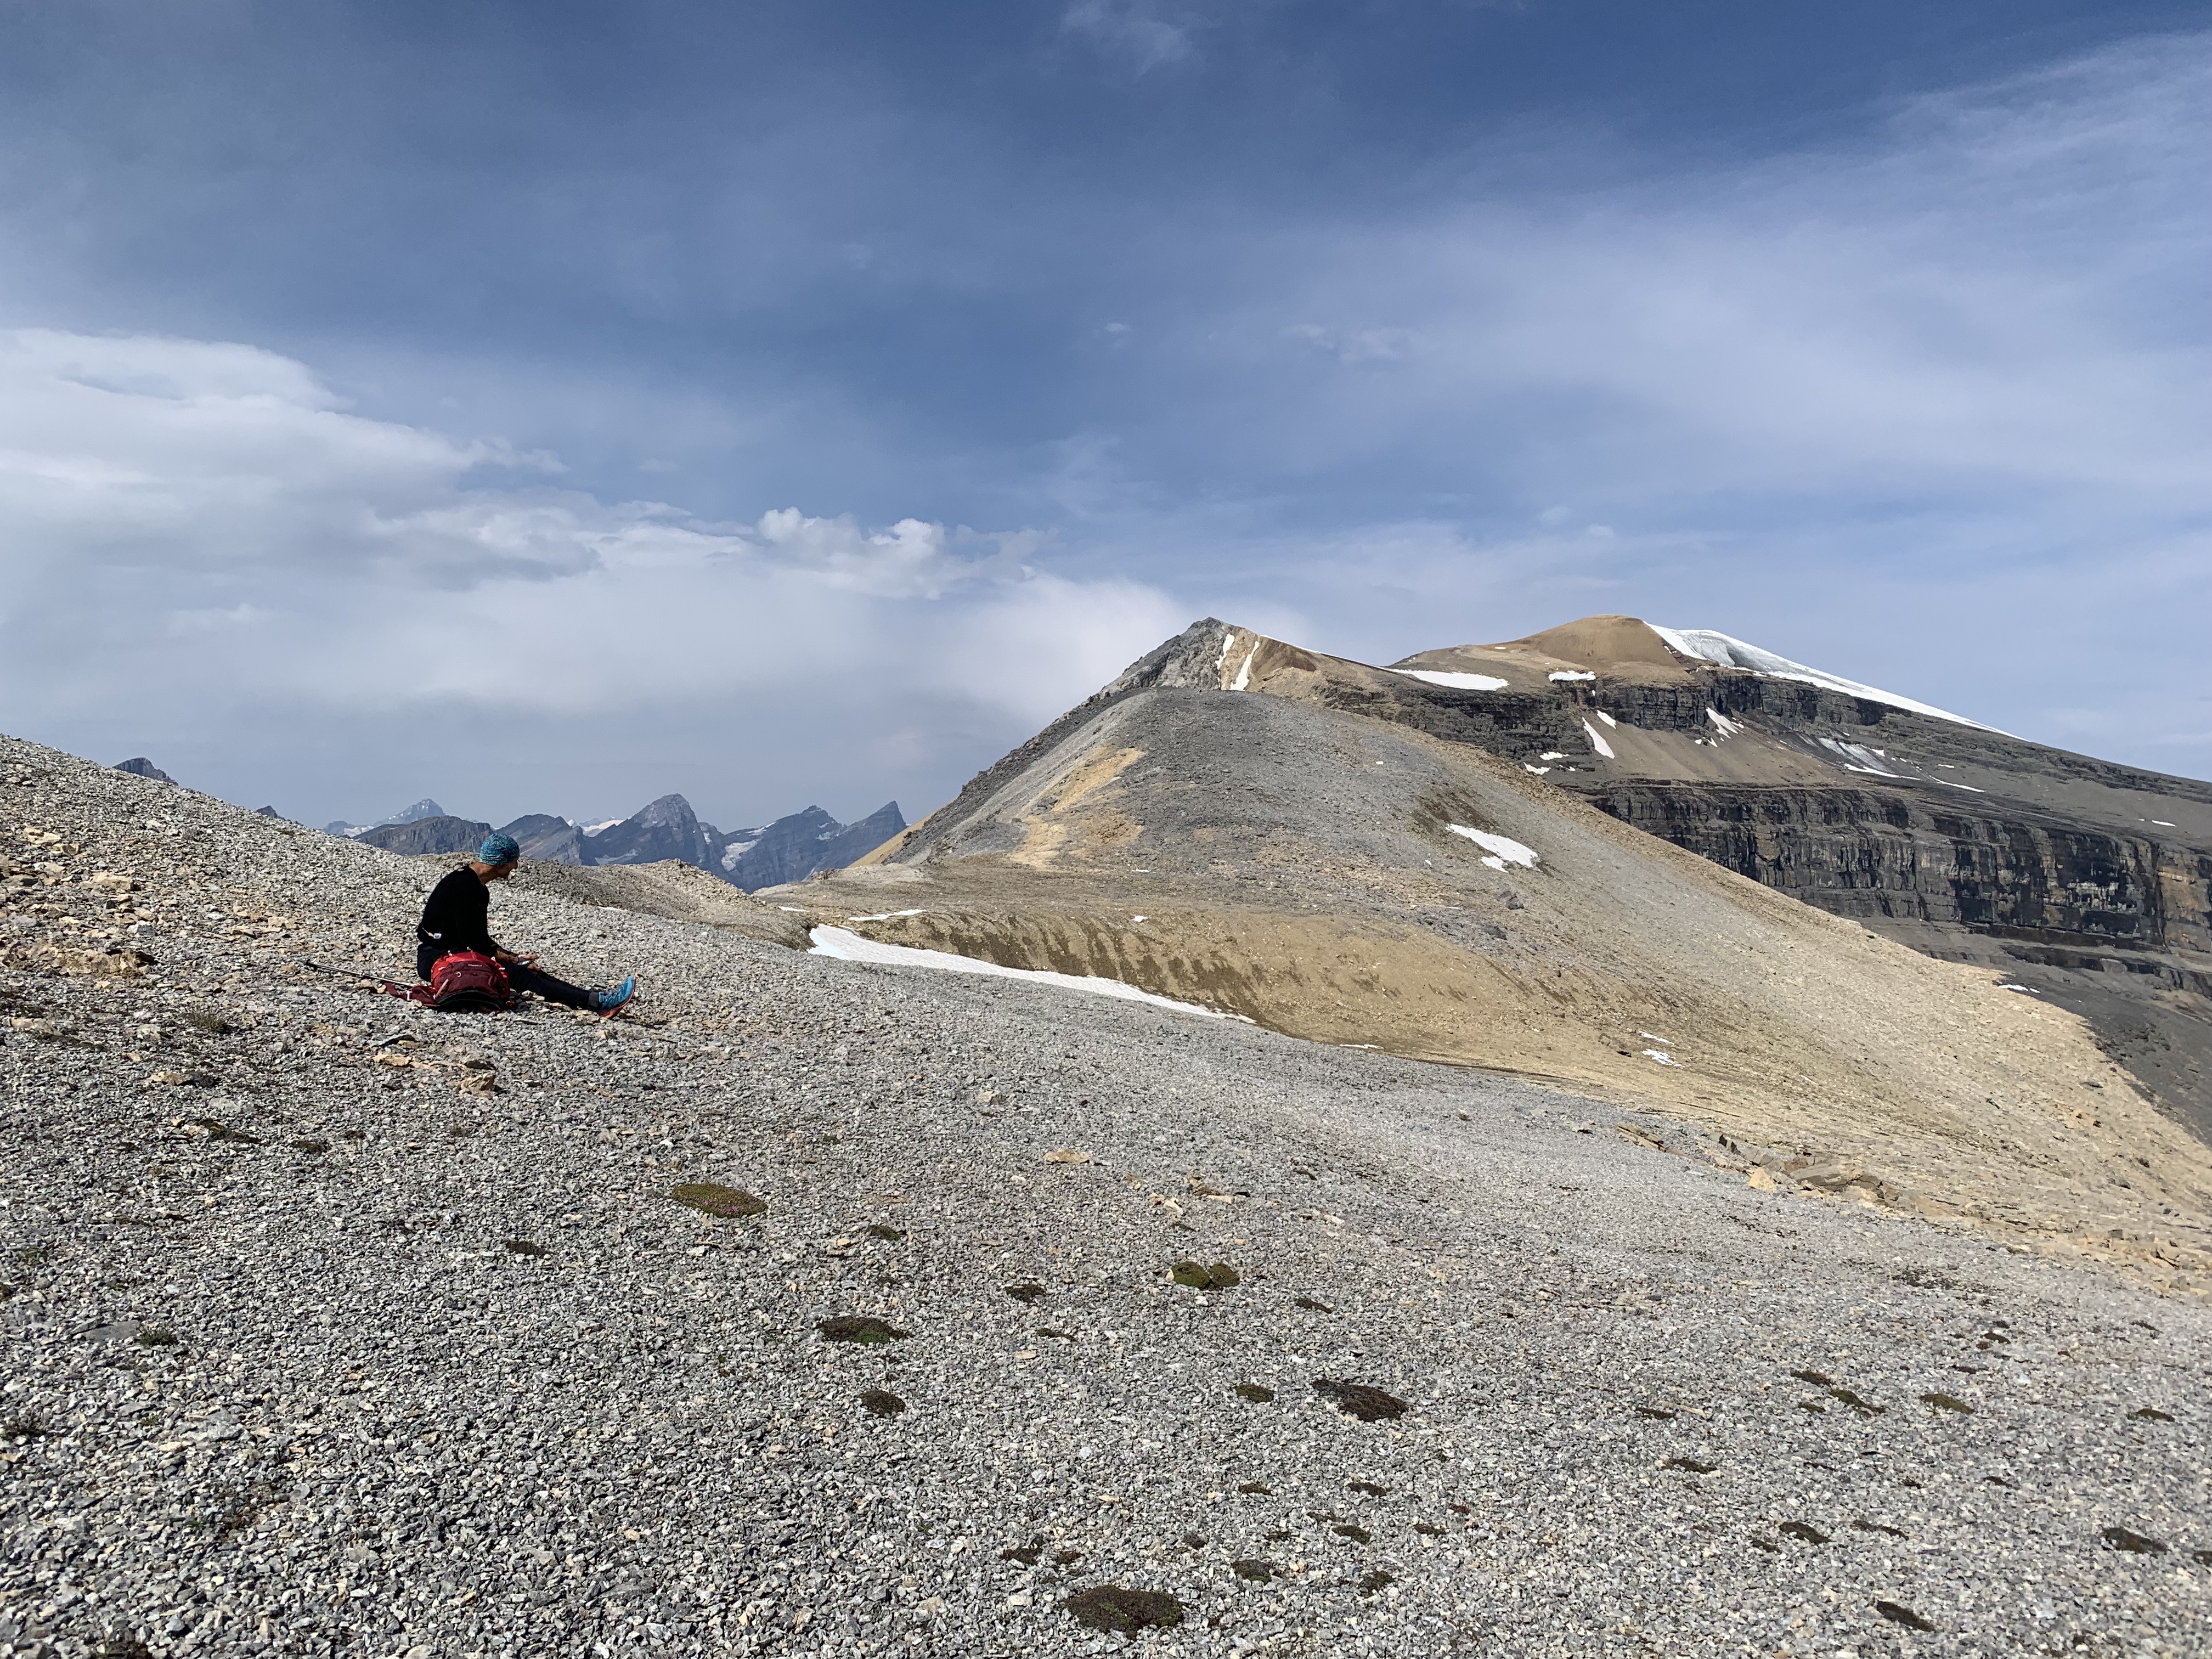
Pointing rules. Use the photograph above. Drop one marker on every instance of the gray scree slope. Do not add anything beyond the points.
(357, 1329)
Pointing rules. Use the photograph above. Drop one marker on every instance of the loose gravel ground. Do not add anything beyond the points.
(335, 1326)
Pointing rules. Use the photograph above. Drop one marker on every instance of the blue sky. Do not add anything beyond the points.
(545, 406)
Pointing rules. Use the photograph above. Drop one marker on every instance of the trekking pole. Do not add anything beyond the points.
(387, 987)
(342, 973)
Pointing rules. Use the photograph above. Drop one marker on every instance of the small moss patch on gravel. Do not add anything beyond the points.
(883, 1402)
(1254, 1393)
(2134, 1543)
(1201, 1276)
(1122, 1611)
(1257, 1489)
(1369, 1487)
(1025, 1293)
(2148, 1415)
(522, 1247)
(877, 1230)
(1898, 1614)
(1818, 1379)
(1948, 1402)
(150, 1338)
(1307, 1301)
(1802, 1532)
(1658, 1413)
(311, 1145)
(1864, 1525)
(1376, 1581)
(1865, 1407)
(1692, 1465)
(1357, 1534)
(1257, 1570)
(859, 1328)
(1360, 1399)
(714, 1199)
(1025, 1553)
(237, 1508)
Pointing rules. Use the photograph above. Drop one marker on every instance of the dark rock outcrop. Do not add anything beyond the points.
(139, 766)
(438, 835)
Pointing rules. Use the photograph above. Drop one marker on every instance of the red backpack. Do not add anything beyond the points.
(465, 982)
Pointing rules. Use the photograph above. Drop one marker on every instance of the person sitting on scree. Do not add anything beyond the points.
(457, 917)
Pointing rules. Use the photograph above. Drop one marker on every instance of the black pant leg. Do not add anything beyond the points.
(426, 958)
(545, 985)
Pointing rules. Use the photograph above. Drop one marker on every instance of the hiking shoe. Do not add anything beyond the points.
(606, 1002)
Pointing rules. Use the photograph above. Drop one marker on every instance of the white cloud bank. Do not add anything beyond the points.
(198, 535)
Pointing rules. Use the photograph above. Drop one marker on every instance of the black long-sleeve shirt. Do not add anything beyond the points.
(457, 914)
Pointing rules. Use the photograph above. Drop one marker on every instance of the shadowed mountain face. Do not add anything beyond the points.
(438, 835)
(545, 839)
(795, 847)
(666, 828)
(139, 766)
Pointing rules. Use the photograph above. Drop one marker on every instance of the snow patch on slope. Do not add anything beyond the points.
(1457, 682)
(1244, 670)
(1704, 644)
(849, 946)
(1597, 741)
(1857, 757)
(1504, 849)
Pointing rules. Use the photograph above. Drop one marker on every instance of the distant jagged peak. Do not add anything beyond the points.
(1212, 655)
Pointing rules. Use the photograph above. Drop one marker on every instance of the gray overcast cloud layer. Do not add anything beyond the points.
(547, 407)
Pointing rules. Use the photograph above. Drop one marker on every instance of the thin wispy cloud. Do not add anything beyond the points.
(1133, 31)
